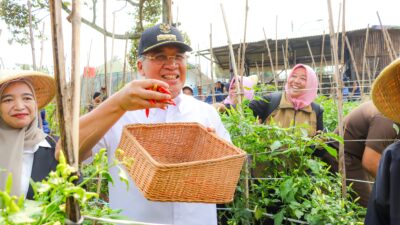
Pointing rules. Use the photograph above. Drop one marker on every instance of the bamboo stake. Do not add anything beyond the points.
(68, 115)
(270, 60)
(343, 32)
(242, 70)
(313, 63)
(276, 42)
(112, 56)
(284, 59)
(262, 68)
(364, 57)
(211, 66)
(287, 52)
(125, 57)
(322, 58)
(354, 65)
(86, 79)
(42, 47)
(392, 55)
(338, 80)
(105, 43)
(232, 55)
(199, 70)
(31, 39)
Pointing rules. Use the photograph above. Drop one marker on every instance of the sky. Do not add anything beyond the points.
(294, 18)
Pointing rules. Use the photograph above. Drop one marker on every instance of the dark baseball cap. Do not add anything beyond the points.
(161, 35)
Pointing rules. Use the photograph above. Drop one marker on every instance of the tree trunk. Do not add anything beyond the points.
(32, 40)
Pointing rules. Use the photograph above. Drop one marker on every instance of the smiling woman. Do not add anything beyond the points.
(26, 151)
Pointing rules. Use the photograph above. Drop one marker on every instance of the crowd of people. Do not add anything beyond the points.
(369, 130)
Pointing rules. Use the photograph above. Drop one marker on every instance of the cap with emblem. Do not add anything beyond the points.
(161, 35)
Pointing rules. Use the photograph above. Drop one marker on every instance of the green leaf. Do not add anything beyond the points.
(123, 177)
(330, 150)
(396, 128)
(278, 218)
(9, 183)
(275, 145)
(298, 213)
(258, 214)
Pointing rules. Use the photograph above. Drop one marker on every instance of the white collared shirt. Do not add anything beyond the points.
(131, 201)
(27, 163)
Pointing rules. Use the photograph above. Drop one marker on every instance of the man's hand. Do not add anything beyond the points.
(134, 95)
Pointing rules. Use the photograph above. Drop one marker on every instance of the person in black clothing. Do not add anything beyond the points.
(384, 202)
(26, 151)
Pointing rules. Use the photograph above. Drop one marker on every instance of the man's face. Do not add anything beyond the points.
(170, 70)
(17, 105)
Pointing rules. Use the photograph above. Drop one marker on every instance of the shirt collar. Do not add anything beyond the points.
(284, 104)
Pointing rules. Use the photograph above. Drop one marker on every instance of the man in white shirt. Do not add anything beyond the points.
(162, 62)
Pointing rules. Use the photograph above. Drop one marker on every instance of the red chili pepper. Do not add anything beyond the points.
(161, 90)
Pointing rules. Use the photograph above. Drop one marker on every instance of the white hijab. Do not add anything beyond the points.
(13, 142)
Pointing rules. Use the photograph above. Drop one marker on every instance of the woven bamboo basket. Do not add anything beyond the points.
(181, 162)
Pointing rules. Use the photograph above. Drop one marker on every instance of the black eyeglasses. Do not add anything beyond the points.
(162, 59)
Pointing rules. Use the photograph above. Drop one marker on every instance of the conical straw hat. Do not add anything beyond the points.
(44, 84)
(386, 91)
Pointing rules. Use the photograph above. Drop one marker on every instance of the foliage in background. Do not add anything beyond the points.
(331, 112)
(295, 185)
(51, 195)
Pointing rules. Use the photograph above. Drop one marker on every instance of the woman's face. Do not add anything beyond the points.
(297, 82)
(18, 105)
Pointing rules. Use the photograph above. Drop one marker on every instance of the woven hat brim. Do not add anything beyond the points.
(386, 91)
(44, 84)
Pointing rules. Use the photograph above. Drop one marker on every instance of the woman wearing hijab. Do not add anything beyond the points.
(26, 151)
(295, 105)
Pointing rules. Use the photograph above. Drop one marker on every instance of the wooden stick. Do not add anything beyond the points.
(243, 70)
(31, 36)
(211, 66)
(354, 65)
(235, 71)
(105, 43)
(338, 80)
(276, 42)
(284, 58)
(392, 55)
(111, 58)
(42, 47)
(364, 57)
(313, 63)
(262, 68)
(68, 114)
(343, 32)
(321, 70)
(125, 59)
(270, 60)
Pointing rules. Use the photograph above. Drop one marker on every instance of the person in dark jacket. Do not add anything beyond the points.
(26, 151)
(384, 203)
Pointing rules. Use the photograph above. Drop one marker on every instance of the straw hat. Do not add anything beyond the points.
(386, 91)
(44, 84)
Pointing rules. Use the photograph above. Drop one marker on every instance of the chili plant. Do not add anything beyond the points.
(287, 180)
(51, 194)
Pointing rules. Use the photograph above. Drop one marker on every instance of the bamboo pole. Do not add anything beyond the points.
(391, 51)
(354, 65)
(31, 39)
(112, 56)
(313, 63)
(284, 58)
(364, 58)
(321, 61)
(343, 32)
(338, 80)
(242, 70)
(125, 57)
(105, 43)
(270, 60)
(42, 47)
(287, 52)
(88, 83)
(68, 115)
(211, 66)
(276, 42)
(262, 68)
(311, 54)
(232, 55)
